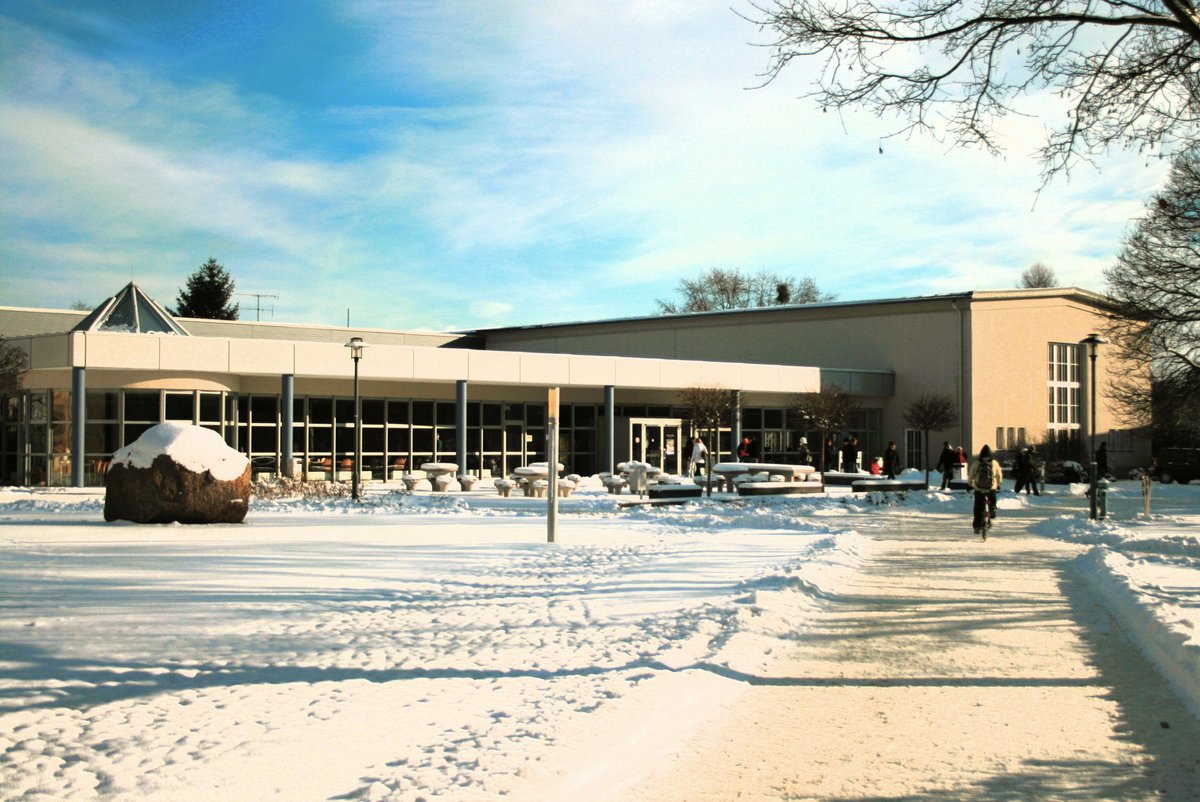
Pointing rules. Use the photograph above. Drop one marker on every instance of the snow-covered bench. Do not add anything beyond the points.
(885, 485)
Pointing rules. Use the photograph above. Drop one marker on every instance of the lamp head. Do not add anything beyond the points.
(1093, 340)
(356, 346)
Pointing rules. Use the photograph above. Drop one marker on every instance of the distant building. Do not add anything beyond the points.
(282, 393)
(1011, 359)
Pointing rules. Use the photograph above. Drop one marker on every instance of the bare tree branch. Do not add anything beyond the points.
(954, 67)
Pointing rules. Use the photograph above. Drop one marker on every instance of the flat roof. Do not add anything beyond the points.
(1078, 293)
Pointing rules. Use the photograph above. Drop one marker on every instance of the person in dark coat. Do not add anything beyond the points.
(985, 477)
(1102, 460)
(850, 455)
(891, 460)
(802, 453)
(946, 463)
(830, 455)
(1026, 474)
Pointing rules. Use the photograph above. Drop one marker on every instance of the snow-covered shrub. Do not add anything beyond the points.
(283, 487)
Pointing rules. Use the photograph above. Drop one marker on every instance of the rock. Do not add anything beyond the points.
(177, 473)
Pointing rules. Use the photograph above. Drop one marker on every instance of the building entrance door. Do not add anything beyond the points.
(658, 442)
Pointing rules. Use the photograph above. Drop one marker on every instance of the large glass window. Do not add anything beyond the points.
(1063, 386)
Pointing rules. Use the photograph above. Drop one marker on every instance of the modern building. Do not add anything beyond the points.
(1012, 360)
(284, 393)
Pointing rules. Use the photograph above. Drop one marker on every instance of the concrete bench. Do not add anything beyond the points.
(778, 488)
(613, 484)
(665, 491)
(885, 485)
(844, 479)
(505, 487)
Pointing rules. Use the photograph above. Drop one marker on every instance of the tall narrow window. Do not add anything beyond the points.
(1063, 387)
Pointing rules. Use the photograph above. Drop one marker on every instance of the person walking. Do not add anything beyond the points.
(802, 453)
(699, 455)
(830, 455)
(946, 463)
(985, 480)
(1102, 461)
(744, 451)
(891, 460)
(1026, 473)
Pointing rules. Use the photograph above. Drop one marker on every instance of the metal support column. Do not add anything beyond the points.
(78, 425)
(286, 467)
(736, 425)
(610, 429)
(460, 425)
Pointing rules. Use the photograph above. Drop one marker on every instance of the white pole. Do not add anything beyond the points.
(552, 464)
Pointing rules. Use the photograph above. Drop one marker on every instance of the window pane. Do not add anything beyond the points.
(320, 410)
(264, 408)
(178, 406)
(102, 406)
(397, 412)
(141, 406)
(422, 413)
(372, 410)
(210, 407)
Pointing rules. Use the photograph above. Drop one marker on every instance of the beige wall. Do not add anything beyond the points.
(986, 350)
(919, 340)
(1009, 375)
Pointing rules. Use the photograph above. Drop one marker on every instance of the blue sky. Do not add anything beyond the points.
(461, 164)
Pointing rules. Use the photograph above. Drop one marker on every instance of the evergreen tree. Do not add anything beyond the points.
(207, 294)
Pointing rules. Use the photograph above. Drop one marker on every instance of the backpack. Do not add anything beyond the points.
(983, 478)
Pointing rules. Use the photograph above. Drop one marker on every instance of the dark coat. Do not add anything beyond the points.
(891, 463)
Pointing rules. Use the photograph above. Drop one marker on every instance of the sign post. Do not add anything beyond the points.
(552, 464)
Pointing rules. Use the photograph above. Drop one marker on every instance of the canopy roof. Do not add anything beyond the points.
(131, 311)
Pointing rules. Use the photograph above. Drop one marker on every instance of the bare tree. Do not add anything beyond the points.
(1155, 283)
(1038, 276)
(82, 306)
(931, 412)
(1127, 69)
(712, 407)
(12, 366)
(718, 288)
(827, 411)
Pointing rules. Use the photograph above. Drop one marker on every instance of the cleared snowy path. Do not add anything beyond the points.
(949, 670)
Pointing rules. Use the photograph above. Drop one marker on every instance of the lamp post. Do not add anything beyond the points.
(1093, 341)
(356, 346)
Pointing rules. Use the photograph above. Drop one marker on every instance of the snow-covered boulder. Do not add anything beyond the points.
(177, 472)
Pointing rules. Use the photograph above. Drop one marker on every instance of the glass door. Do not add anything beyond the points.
(657, 442)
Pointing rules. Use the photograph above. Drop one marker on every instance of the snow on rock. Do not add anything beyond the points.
(192, 447)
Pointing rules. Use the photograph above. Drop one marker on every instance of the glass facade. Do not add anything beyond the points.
(398, 435)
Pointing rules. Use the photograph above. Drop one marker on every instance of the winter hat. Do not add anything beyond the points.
(803, 441)
(985, 452)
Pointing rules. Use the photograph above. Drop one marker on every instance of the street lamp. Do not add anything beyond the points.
(356, 346)
(1092, 341)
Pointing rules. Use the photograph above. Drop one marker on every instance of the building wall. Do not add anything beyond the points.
(917, 339)
(1009, 358)
(986, 350)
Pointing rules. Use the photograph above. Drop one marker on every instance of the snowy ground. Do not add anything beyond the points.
(435, 647)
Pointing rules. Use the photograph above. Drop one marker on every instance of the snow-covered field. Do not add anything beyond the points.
(436, 647)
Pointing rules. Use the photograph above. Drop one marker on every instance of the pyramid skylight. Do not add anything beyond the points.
(131, 311)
